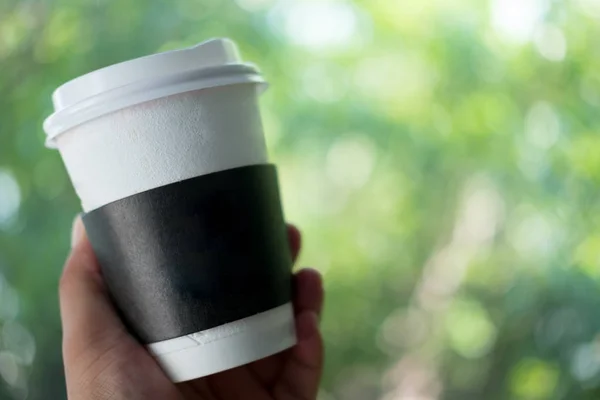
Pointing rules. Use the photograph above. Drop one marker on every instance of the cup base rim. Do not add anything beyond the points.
(227, 346)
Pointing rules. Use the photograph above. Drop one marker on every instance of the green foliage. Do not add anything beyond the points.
(440, 157)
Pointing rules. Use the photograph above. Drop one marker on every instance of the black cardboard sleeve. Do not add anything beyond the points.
(195, 254)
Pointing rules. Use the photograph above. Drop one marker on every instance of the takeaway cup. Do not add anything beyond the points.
(181, 206)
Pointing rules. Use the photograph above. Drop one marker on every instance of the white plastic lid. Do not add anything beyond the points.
(215, 62)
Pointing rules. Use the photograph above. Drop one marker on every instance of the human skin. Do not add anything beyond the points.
(104, 362)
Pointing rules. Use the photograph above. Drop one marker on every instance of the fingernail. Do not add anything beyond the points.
(77, 232)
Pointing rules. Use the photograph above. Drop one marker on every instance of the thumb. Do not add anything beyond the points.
(89, 320)
(102, 361)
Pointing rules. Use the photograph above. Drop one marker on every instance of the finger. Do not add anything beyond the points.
(308, 291)
(88, 316)
(295, 241)
(237, 383)
(101, 359)
(302, 372)
(308, 296)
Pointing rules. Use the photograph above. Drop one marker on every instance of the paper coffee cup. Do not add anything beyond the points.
(182, 208)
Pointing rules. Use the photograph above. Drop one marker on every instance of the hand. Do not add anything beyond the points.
(103, 362)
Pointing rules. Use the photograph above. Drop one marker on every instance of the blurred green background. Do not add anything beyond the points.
(441, 157)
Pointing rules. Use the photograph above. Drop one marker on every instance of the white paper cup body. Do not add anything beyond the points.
(163, 141)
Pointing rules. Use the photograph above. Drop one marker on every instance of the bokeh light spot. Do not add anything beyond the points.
(404, 329)
(403, 82)
(14, 29)
(9, 368)
(542, 126)
(324, 83)
(536, 236)
(470, 330)
(10, 198)
(317, 24)
(516, 20)
(18, 341)
(350, 161)
(534, 379)
(585, 362)
(551, 43)
(587, 255)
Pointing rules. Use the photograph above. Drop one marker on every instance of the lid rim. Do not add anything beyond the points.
(146, 90)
